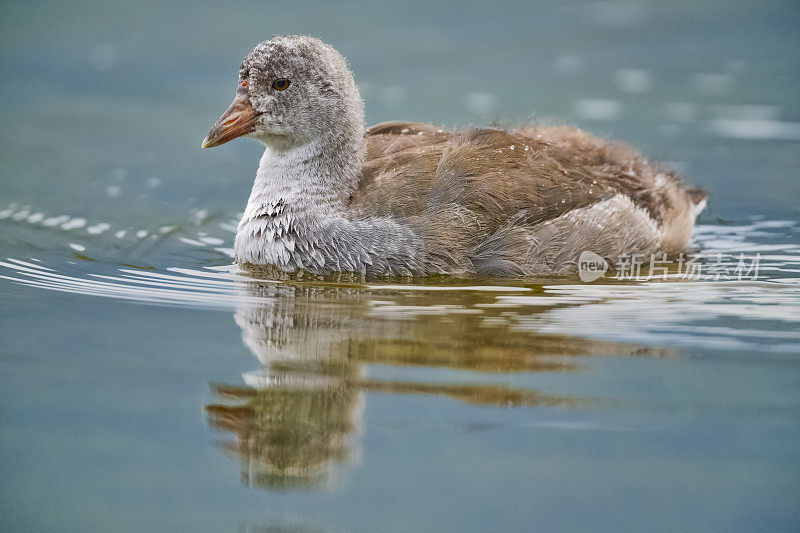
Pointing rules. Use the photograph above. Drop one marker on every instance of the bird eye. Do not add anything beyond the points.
(280, 84)
(244, 83)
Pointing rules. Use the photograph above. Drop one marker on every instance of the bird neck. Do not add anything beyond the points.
(297, 191)
(297, 215)
(321, 174)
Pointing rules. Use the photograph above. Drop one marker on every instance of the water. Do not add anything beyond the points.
(147, 384)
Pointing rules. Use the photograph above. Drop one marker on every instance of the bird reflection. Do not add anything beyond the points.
(287, 436)
(298, 417)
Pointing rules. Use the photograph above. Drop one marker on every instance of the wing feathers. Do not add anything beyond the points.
(485, 189)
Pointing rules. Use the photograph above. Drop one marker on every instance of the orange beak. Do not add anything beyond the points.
(238, 120)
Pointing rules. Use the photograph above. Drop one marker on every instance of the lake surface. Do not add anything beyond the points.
(147, 384)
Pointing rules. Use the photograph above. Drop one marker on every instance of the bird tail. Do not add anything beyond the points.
(699, 199)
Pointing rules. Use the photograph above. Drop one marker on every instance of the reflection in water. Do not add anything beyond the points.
(300, 414)
(323, 347)
(287, 435)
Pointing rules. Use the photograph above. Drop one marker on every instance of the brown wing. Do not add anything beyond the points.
(479, 197)
(413, 167)
(496, 176)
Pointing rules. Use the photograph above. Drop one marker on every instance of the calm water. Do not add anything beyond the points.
(149, 385)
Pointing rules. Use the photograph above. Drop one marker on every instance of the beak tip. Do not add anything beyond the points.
(238, 120)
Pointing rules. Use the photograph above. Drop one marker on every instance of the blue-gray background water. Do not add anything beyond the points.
(146, 385)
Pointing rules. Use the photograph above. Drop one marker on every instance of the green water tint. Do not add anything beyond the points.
(360, 389)
(155, 388)
(319, 341)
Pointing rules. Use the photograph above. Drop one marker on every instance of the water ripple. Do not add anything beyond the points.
(755, 314)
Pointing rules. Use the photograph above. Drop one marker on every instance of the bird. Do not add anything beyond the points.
(412, 199)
